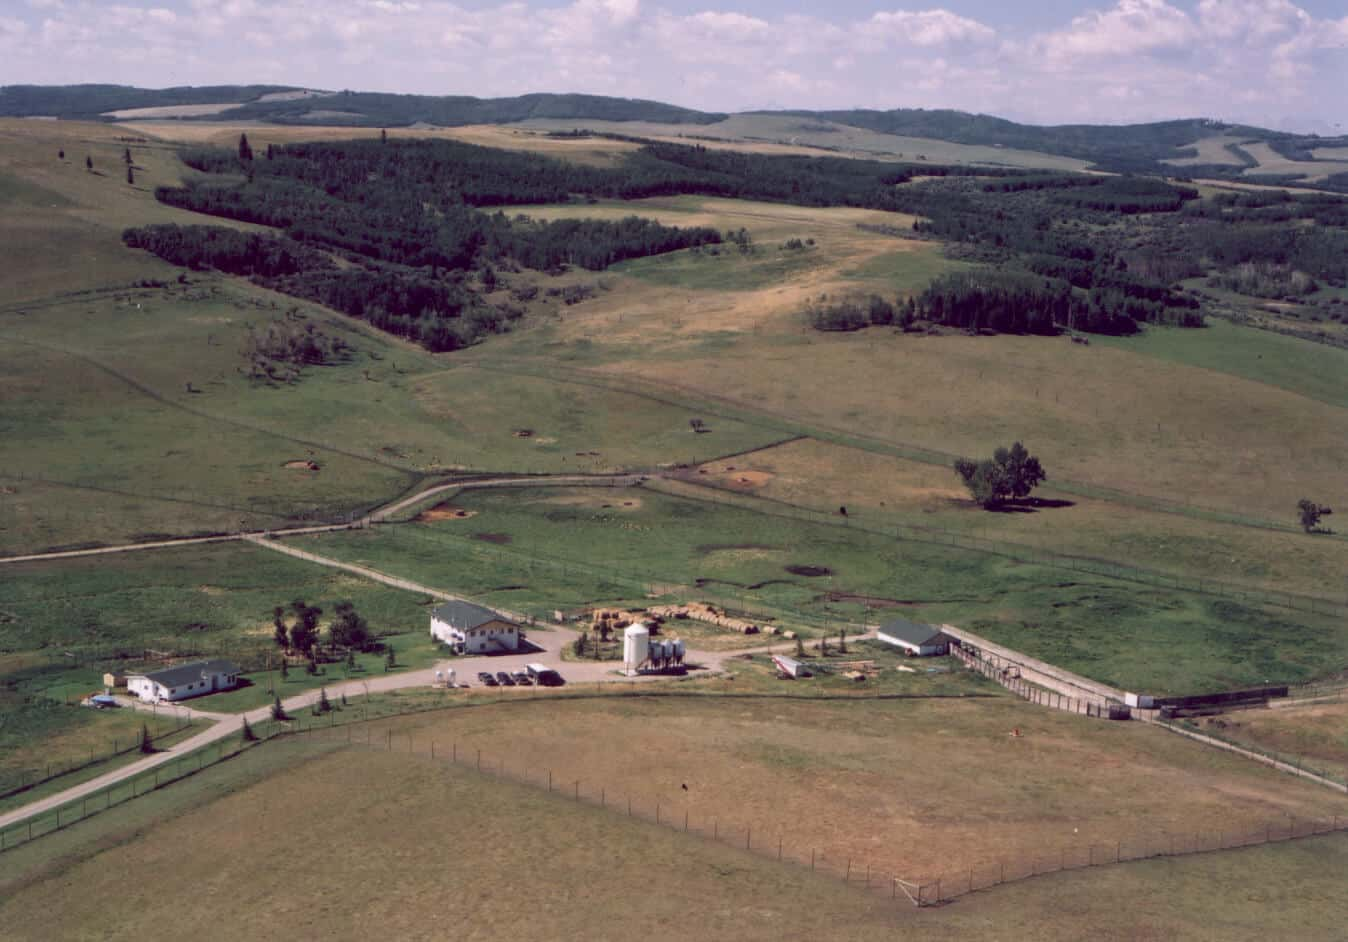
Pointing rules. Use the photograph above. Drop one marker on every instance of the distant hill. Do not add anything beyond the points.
(1159, 147)
(90, 102)
(356, 109)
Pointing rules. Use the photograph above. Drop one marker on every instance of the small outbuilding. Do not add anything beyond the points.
(474, 629)
(915, 638)
(186, 680)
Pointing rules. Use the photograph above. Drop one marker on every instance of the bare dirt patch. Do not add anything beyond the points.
(594, 501)
(302, 465)
(444, 512)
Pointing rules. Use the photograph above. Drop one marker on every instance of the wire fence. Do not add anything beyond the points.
(854, 871)
(678, 815)
(118, 747)
(1036, 694)
(1294, 763)
(942, 888)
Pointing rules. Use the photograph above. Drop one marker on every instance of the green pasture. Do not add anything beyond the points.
(1313, 370)
(542, 550)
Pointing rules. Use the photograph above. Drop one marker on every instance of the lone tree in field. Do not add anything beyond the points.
(1310, 513)
(245, 149)
(1012, 473)
(146, 743)
(390, 658)
(88, 163)
(324, 704)
(246, 733)
(278, 712)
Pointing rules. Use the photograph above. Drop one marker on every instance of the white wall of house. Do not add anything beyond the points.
(485, 639)
(152, 691)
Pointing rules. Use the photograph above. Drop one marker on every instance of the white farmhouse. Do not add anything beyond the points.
(186, 680)
(473, 629)
(914, 638)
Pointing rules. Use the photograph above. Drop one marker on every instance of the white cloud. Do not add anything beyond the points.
(1130, 28)
(925, 28)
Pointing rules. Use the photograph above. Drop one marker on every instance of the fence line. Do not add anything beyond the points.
(1036, 694)
(1289, 764)
(929, 891)
(132, 745)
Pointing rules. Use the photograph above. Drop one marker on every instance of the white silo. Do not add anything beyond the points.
(636, 647)
(449, 677)
(679, 650)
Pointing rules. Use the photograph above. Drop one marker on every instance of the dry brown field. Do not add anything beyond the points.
(1315, 733)
(915, 787)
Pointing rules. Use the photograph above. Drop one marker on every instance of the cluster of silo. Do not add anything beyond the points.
(665, 655)
(641, 653)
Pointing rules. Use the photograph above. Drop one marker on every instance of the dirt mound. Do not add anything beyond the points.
(301, 464)
(498, 538)
(812, 572)
(444, 512)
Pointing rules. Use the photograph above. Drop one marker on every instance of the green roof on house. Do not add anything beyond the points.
(914, 633)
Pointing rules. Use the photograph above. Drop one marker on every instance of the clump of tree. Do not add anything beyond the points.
(282, 348)
(1010, 474)
(1309, 513)
(349, 629)
(1266, 280)
(853, 312)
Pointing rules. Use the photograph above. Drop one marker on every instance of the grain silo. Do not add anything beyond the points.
(636, 648)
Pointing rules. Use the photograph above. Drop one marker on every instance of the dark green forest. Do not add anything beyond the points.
(422, 229)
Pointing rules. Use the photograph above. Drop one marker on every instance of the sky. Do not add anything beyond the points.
(1274, 63)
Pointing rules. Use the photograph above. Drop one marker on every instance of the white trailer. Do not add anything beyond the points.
(789, 666)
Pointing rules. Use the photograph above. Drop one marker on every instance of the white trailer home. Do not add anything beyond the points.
(915, 638)
(472, 629)
(186, 680)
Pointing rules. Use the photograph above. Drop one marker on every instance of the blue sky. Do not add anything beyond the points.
(1279, 63)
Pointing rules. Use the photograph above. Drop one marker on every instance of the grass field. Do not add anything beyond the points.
(884, 491)
(549, 549)
(67, 621)
(1270, 161)
(768, 133)
(1098, 416)
(1314, 733)
(402, 812)
(40, 736)
(1211, 150)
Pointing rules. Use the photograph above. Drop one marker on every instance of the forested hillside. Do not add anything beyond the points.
(420, 225)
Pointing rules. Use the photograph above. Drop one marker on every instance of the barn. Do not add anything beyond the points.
(914, 637)
(186, 680)
(473, 629)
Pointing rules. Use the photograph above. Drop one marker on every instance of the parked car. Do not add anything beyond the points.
(487, 679)
(522, 678)
(505, 679)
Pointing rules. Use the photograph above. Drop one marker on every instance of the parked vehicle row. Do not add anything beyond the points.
(520, 678)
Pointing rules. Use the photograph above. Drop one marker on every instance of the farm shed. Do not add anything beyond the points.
(914, 637)
(186, 680)
(474, 629)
